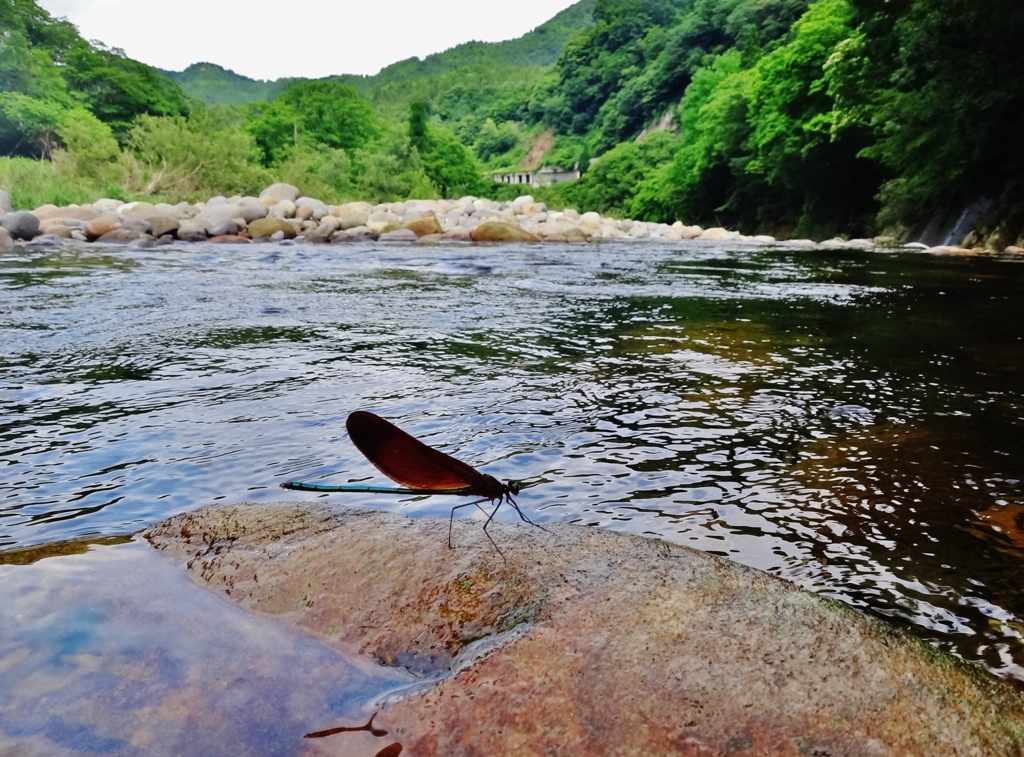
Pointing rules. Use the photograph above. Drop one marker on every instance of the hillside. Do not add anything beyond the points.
(812, 118)
(215, 85)
(540, 47)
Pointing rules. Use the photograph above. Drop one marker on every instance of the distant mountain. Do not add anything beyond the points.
(216, 85)
(540, 47)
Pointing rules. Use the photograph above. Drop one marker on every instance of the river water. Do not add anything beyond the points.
(850, 421)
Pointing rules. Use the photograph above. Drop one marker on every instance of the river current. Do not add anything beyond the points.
(850, 421)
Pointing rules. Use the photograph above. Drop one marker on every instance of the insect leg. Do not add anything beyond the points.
(522, 515)
(451, 518)
(489, 519)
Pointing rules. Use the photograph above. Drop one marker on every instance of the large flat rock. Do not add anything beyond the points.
(600, 643)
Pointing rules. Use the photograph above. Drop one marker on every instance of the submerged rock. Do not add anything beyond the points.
(590, 642)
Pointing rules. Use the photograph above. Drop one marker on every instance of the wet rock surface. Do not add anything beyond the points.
(592, 642)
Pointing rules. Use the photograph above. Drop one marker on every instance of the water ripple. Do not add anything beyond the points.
(847, 420)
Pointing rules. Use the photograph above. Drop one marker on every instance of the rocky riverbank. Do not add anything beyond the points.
(281, 213)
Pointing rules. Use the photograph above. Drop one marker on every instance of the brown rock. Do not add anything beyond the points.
(229, 239)
(163, 224)
(56, 227)
(429, 239)
(600, 643)
(83, 213)
(6, 241)
(427, 224)
(496, 231)
(101, 225)
(48, 210)
(304, 213)
(352, 220)
(161, 221)
(265, 227)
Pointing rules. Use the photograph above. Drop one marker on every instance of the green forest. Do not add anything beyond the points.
(788, 117)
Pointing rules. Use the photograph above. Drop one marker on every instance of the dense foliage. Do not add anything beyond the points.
(785, 116)
(800, 117)
(50, 77)
(215, 85)
(947, 105)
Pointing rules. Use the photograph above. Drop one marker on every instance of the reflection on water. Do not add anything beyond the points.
(850, 421)
(93, 660)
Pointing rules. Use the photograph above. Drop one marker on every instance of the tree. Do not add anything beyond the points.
(191, 158)
(117, 89)
(493, 140)
(450, 165)
(46, 59)
(945, 99)
(812, 168)
(418, 119)
(707, 177)
(275, 129)
(90, 150)
(331, 113)
(611, 182)
(391, 171)
(29, 125)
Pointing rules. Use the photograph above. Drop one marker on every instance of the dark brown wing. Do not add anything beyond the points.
(407, 460)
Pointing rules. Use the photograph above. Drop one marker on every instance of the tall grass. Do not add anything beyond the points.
(32, 183)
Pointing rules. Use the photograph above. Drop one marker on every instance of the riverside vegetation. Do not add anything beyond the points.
(781, 117)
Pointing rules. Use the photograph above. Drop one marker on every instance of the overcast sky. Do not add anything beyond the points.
(269, 40)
